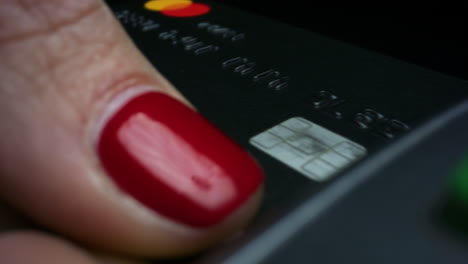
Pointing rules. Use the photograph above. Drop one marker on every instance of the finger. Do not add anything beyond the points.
(106, 259)
(100, 147)
(18, 247)
(31, 247)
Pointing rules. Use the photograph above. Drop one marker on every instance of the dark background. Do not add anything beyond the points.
(426, 36)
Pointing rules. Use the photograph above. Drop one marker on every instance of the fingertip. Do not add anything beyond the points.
(159, 181)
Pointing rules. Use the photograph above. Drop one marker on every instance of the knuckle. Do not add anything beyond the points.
(28, 19)
(48, 44)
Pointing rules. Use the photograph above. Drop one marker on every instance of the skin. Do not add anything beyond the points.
(63, 64)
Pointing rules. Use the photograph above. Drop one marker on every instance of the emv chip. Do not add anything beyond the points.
(310, 149)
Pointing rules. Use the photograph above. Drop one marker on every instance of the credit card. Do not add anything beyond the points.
(310, 109)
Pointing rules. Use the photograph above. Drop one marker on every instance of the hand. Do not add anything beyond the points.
(99, 153)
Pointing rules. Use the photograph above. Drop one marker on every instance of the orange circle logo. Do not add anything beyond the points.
(177, 8)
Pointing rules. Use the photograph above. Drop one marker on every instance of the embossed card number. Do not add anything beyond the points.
(310, 149)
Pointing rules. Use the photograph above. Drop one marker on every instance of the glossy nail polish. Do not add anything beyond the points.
(175, 162)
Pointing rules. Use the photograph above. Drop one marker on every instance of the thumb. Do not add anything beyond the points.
(97, 145)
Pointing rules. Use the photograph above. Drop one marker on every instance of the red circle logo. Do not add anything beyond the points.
(177, 8)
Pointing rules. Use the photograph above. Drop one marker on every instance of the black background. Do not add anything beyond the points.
(427, 36)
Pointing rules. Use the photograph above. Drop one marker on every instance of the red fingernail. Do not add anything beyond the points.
(175, 162)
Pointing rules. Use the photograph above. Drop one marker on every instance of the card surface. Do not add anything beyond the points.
(308, 108)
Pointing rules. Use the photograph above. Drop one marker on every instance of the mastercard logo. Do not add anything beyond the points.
(177, 8)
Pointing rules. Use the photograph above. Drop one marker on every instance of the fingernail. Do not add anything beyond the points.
(175, 162)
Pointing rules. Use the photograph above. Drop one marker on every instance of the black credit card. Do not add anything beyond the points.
(312, 110)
